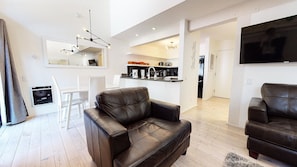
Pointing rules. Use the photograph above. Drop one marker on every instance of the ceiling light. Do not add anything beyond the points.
(78, 15)
(93, 38)
(70, 51)
(171, 45)
(136, 35)
(154, 28)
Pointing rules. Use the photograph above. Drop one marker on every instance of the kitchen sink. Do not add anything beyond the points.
(170, 78)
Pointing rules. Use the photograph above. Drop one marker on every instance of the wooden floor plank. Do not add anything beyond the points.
(59, 154)
(14, 135)
(33, 158)
(23, 147)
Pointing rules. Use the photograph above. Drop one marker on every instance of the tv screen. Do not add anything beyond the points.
(274, 41)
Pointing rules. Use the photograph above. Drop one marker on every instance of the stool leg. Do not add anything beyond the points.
(79, 109)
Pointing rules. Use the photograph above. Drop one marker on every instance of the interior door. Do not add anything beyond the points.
(223, 77)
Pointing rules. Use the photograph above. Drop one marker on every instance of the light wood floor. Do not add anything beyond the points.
(39, 141)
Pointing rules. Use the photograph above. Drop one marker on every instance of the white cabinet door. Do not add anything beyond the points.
(223, 78)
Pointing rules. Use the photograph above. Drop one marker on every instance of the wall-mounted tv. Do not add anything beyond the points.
(274, 41)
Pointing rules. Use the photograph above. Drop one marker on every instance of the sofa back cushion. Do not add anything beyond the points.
(281, 99)
(126, 105)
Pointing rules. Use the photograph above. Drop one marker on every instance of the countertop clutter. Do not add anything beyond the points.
(141, 63)
(164, 71)
(162, 79)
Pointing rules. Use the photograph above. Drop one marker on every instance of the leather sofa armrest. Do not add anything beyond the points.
(166, 111)
(257, 110)
(110, 135)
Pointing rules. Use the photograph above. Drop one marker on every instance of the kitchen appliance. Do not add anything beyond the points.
(42, 95)
(168, 64)
(134, 73)
(164, 73)
(142, 73)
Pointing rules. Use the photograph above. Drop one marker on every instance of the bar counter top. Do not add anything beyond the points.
(160, 79)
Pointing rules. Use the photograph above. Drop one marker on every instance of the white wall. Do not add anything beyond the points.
(123, 18)
(257, 74)
(27, 52)
(149, 50)
(237, 76)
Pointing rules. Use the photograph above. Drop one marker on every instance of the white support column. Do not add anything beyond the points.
(188, 65)
(182, 35)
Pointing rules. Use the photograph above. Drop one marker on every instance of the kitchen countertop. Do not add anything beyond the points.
(161, 79)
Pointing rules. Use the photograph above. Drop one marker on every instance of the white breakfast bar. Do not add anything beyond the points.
(159, 89)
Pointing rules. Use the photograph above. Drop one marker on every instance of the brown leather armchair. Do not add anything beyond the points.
(272, 123)
(128, 129)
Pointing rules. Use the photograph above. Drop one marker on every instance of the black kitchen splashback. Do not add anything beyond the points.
(170, 71)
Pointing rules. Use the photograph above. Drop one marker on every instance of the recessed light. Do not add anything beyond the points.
(136, 35)
(154, 28)
(78, 15)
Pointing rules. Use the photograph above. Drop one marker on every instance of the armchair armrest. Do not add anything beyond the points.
(165, 110)
(257, 110)
(105, 135)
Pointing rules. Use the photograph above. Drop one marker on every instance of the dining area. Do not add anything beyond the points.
(81, 95)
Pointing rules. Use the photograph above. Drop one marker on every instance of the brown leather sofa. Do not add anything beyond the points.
(272, 123)
(128, 129)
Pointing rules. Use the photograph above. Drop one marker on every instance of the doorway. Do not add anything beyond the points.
(201, 76)
(217, 43)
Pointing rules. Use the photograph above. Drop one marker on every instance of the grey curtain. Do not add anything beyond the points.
(16, 110)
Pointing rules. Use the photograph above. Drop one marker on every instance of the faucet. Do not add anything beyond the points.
(149, 74)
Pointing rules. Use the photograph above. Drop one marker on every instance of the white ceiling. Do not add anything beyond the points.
(67, 17)
(189, 10)
(58, 18)
(193, 10)
(226, 31)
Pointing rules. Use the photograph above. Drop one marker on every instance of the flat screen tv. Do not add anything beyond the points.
(274, 41)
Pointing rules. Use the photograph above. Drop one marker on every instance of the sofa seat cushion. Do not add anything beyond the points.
(279, 131)
(152, 140)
